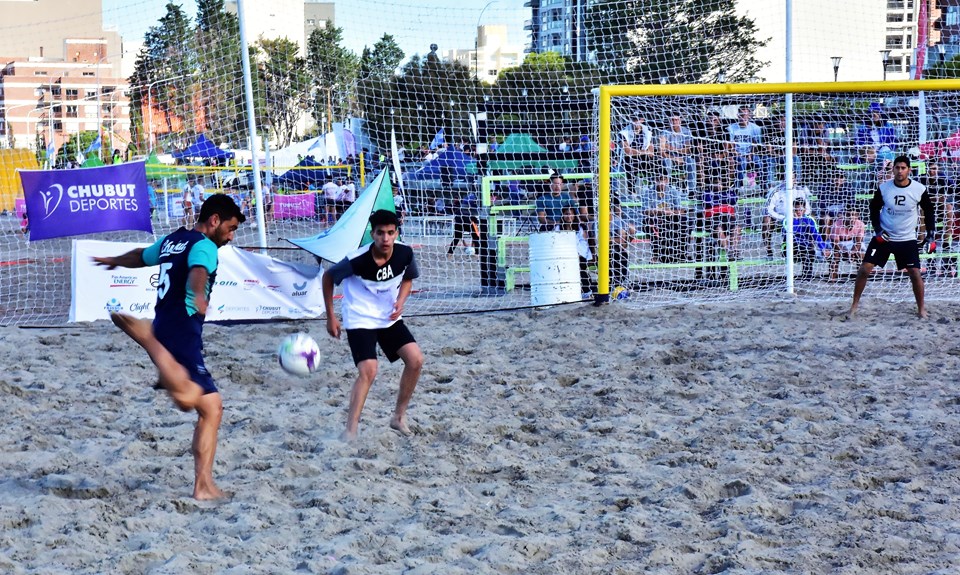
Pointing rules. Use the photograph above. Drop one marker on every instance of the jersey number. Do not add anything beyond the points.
(899, 200)
(163, 284)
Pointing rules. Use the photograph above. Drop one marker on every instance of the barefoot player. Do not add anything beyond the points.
(188, 269)
(377, 280)
(893, 212)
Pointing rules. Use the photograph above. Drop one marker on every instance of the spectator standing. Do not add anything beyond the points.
(636, 141)
(348, 195)
(775, 157)
(747, 138)
(777, 213)
(878, 133)
(806, 239)
(331, 191)
(715, 152)
(465, 223)
(676, 147)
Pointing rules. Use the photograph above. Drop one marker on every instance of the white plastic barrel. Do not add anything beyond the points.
(554, 268)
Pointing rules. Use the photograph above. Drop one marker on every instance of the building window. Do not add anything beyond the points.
(91, 94)
(894, 17)
(40, 73)
(909, 41)
(894, 42)
(71, 111)
(72, 93)
(89, 74)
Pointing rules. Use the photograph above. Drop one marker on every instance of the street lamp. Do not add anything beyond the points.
(836, 66)
(476, 42)
(150, 104)
(885, 56)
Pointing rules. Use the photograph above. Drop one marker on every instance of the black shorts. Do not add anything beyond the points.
(906, 253)
(363, 342)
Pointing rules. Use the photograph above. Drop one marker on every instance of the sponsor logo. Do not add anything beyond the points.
(170, 248)
(140, 307)
(123, 281)
(268, 309)
(113, 306)
(299, 290)
(250, 284)
(384, 273)
(227, 283)
(154, 280)
(51, 199)
(233, 308)
(272, 287)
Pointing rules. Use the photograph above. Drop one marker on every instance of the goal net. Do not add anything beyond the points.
(701, 206)
(470, 107)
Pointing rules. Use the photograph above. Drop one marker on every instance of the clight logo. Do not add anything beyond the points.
(113, 306)
(51, 199)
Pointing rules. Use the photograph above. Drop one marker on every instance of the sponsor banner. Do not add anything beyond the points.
(295, 206)
(249, 286)
(87, 200)
(20, 207)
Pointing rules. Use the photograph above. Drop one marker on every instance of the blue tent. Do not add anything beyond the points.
(450, 164)
(202, 148)
(307, 171)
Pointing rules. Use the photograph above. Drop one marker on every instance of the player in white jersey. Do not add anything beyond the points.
(377, 279)
(893, 212)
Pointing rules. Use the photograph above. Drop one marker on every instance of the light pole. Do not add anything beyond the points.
(885, 56)
(836, 66)
(476, 43)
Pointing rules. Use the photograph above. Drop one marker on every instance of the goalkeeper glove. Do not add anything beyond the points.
(929, 243)
(883, 237)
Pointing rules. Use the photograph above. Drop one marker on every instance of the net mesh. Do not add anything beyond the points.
(483, 99)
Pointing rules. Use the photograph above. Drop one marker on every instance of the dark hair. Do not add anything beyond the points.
(901, 159)
(383, 218)
(223, 206)
(556, 175)
(799, 203)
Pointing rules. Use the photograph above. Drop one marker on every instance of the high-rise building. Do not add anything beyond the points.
(558, 26)
(67, 82)
(290, 19)
(493, 53)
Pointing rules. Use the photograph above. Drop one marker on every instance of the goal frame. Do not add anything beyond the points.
(608, 91)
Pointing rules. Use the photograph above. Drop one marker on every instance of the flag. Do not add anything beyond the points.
(51, 150)
(920, 53)
(395, 154)
(94, 146)
(438, 140)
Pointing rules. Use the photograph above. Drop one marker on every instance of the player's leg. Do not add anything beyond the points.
(863, 274)
(917, 281)
(412, 358)
(366, 373)
(173, 376)
(209, 415)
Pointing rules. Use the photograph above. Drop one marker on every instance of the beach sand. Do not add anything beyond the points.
(762, 437)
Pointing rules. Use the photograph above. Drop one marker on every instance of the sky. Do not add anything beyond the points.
(415, 24)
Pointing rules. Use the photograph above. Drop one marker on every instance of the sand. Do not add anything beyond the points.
(768, 437)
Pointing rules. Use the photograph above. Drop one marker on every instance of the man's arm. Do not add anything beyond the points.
(333, 324)
(197, 279)
(876, 204)
(131, 259)
(406, 286)
(929, 214)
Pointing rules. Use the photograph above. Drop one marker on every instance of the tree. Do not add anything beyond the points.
(676, 41)
(334, 71)
(284, 88)
(221, 72)
(381, 62)
(164, 71)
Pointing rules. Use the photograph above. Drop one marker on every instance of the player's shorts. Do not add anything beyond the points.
(907, 253)
(363, 342)
(184, 342)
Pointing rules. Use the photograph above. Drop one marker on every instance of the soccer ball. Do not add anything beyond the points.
(620, 293)
(299, 354)
(469, 250)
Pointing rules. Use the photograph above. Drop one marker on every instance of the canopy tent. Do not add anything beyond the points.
(521, 151)
(306, 171)
(92, 161)
(202, 148)
(352, 230)
(449, 164)
(293, 154)
(157, 169)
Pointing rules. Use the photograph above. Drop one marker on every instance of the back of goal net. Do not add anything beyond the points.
(700, 207)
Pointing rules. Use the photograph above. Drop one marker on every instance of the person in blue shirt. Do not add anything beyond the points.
(806, 239)
(188, 271)
(152, 196)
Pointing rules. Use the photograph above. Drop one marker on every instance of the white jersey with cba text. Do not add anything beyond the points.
(370, 291)
(899, 216)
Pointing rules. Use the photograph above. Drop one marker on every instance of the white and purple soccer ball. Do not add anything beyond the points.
(299, 354)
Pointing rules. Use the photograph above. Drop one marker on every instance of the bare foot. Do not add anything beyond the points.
(922, 314)
(209, 494)
(399, 424)
(139, 330)
(348, 436)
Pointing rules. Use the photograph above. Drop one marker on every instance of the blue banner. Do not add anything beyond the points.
(85, 201)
